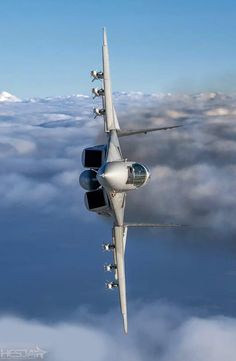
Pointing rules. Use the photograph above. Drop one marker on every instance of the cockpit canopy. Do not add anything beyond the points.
(138, 175)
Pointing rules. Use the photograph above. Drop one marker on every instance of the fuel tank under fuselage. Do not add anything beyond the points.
(122, 176)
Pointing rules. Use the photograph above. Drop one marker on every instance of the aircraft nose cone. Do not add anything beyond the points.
(113, 176)
(101, 176)
(105, 174)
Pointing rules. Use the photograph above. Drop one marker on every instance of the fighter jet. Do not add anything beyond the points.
(110, 176)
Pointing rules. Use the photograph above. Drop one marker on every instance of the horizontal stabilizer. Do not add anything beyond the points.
(127, 132)
(154, 225)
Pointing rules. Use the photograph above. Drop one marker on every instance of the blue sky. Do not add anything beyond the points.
(49, 46)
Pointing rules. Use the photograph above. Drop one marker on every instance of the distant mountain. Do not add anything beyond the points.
(120, 97)
(7, 97)
(70, 98)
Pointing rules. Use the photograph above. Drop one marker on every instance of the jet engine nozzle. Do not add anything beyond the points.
(98, 112)
(111, 285)
(97, 92)
(96, 74)
(109, 267)
(108, 247)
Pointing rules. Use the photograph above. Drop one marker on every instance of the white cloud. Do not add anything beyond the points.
(193, 181)
(22, 146)
(68, 178)
(204, 339)
(56, 116)
(192, 167)
(219, 112)
(157, 332)
(16, 189)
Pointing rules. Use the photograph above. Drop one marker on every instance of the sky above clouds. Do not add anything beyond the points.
(181, 283)
(51, 45)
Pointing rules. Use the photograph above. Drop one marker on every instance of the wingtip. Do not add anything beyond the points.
(125, 320)
(104, 36)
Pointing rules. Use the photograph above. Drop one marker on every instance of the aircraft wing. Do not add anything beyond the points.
(155, 225)
(110, 118)
(127, 132)
(119, 241)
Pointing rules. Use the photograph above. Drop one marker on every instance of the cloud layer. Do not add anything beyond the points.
(50, 245)
(193, 167)
(157, 332)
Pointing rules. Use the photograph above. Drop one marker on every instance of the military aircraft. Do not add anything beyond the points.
(109, 176)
